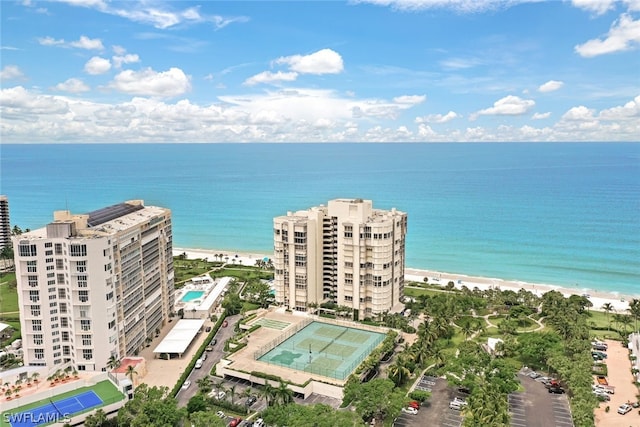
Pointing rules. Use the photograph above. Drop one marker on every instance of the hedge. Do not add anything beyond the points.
(199, 353)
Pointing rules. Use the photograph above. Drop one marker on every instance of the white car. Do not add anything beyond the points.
(410, 410)
(220, 414)
(457, 404)
(221, 395)
(186, 384)
(624, 409)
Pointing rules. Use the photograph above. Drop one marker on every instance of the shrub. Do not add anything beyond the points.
(419, 395)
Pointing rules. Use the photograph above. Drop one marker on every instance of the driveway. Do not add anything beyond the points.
(213, 357)
(536, 407)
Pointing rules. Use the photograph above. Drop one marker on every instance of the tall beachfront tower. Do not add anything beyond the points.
(5, 225)
(347, 253)
(95, 285)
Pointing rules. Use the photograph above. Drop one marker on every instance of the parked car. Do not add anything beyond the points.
(410, 410)
(208, 348)
(534, 375)
(208, 329)
(556, 390)
(235, 422)
(221, 395)
(186, 384)
(198, 364)
(220, 414)
(251, 400)
(213, 341)
(604, 388)
(414, 404)
(259, 423)
(225, 324)
(624, 409)
(601, 354)
(457, 404)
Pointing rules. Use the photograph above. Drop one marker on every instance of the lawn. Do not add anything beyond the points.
(8, 293)
(107, 392)
(415, 292)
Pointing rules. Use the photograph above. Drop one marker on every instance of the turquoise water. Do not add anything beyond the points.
(191, 295)
(557, 213)
(324, 349)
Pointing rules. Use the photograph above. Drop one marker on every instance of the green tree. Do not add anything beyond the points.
(204, 385)
(378, 399)
(205, 419)
(283, 393)
(608, 308)
(398, 372)
(131, 371)
(197, 403)
(113, 362)
(151, 407)
(317, 415)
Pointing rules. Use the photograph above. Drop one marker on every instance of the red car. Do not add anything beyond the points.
(234, 422)
(414, 405)
(225, 324)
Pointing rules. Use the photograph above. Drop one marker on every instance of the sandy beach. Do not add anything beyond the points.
(620, 303)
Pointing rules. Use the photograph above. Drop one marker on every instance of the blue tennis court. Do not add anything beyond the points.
(55, 411)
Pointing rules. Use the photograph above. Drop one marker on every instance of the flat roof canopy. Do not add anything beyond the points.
(180, 337)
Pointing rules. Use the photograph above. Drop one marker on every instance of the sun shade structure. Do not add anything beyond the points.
(103, 215)
(180, 337)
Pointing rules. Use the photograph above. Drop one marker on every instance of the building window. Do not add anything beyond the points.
(60, 279)
(112, 324)
(77, 250)
(65, 336)
(27, 250)
(59, 264)
(34, 296)
(86, 339)
(48, 245)
(348, 278)
(348, 298)
(82, 281)
(31, 267)
(85, 325)
(83, 295)
(62, 294)
(87, 354)
(37, 339)
(58, 248)
(81, 266)
(63, 307)
(36, 325)
(64, 322)
(66, 351)
(348, 231)
(35, 310)
(39, 353)
(33, 281)
(110, 296)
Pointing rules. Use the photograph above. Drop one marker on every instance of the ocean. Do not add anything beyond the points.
(557, 213)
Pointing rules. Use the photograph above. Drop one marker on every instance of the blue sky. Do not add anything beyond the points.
(323, 71)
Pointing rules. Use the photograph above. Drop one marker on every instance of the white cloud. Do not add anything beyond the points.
(550, 86)
(437, 118)
(97, 65)
(410, 99)
(623, 35)
(580, 113)
(463, 6)
(598, 7)
(508, 106)
(72, 85)
(325, 61)
(541, 116)
(118, 50)
(129, 58)
(86, 43)
(148, 82)
(10, 72)
(630, 110)
(50, 41)
(18, 99)
(269, 77)
(156, 14)
(83, 42)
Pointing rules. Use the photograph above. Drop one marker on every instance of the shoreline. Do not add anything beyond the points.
(619, 302)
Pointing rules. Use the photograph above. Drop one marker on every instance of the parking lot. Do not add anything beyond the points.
(435, 411)
(536, 407)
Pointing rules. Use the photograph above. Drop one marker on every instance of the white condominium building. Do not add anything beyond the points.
(5, 226)
(95, 285)
(347, 253)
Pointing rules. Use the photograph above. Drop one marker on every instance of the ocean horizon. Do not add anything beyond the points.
(564, 214)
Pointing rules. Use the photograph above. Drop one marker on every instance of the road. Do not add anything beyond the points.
(213, 357)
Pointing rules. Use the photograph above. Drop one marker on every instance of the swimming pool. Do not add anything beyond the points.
(191, 295)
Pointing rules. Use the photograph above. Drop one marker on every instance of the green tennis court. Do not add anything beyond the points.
(324, 349)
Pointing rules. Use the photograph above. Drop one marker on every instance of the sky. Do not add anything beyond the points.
(100, 71)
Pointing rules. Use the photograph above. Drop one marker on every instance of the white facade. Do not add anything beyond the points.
(94, 286)
(5, 226)
(346, 252)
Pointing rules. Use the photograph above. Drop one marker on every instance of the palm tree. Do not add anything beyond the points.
(113, 362)
(467, 330)
(232, 392)
(268, 393)
(204, 384)
(218, 385)
(634, 309)
(131, 371)
(247, 392)
(398, 372)
(283, 393)
(607, 307)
